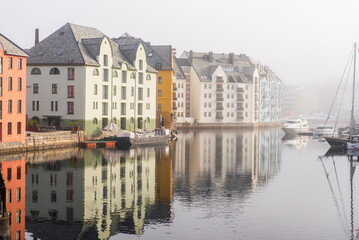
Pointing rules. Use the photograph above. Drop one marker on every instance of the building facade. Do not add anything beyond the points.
(12, 91)
(91, 81)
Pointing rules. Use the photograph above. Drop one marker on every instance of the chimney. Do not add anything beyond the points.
(36, 36)
(231, 58)
(210, 56)
(191, 56)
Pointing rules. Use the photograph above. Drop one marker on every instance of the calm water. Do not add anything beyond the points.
(231, 184)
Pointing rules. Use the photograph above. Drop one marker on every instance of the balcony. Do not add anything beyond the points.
(219, 108)
(220, 79)
(240, 90)
(240, 99)
(240, 117)
(175, 98)
(240, 108)
(219, 117)
(220, 89)
(174, 88)
(219, 98)
(174, 108)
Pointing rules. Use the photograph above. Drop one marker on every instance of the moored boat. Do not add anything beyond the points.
(295, 126)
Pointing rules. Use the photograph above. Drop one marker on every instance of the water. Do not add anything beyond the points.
(228, 184)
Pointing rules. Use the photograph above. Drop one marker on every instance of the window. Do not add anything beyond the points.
(18, 194)
(104, 109)
(54, 106)
(105, 60)
(9, 83)
(132, 105)
(54, 88)
(124, 76)
(133, 76)
(35, 88)
(159, 92)
(53, 196)
(114, 90)
(148, 77)
(140, 93)
(10, 62)
(70, 108)
(9, 174)
(18, 173)
(105, 75)
(159, 80)
(132, 91)
(69, 195)
(19, 84)
(18, 216)
(69, 179)
(54, 71)
(159, 107)
(34, 195)
(9, 128)
(18, 106)
(19, 63)
(104, 92)
(0, 86)
(123, 93)
(140, 78)
(70, 91)
(95, 121)
(0, 109)
(35, 71)
(71, 73)
(115, 73)
(95, 72)
(148, 92)
(123, 108)
(0, 64)
(148, 106)
(140, 109)
(9, 106)
(141, 64)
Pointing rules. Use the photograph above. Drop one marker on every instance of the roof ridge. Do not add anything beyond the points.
(77, 44)
(14, 45)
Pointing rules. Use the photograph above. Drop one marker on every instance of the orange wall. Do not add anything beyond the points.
(166, 100)
(13, 184)
(13, 95)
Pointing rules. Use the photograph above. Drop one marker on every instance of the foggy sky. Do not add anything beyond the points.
(302, 41)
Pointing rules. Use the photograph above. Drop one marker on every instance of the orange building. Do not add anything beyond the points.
(12, 91)
(14, 177)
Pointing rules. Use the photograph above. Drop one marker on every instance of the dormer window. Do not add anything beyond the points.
(150, 54)
(54, 71)
(35, 71)
(95, 72)
(158, 66)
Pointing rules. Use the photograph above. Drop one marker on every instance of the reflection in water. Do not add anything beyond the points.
(224, 163)
(342, 179)
(296, 141)
(98, 193)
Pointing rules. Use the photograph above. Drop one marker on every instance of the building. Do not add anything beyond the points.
(179, 91)
(12, 91)
(159, 57)
(80, 76)
(222, 88)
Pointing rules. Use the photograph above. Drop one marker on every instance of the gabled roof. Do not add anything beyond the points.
(158, 57)
(11, 48)
(71, 45)
(179, 74)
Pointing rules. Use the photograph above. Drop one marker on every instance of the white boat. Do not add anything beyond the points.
(324, 130)
(353, 143)
(295, 126)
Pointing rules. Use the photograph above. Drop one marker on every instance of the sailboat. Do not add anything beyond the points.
(342, 141)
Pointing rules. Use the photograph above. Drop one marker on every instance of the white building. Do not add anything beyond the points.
(79, 76)
(223, 88)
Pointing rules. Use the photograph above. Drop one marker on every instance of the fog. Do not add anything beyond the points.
(305, 42)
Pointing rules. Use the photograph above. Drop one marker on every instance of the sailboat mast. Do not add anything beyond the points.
(352, 120)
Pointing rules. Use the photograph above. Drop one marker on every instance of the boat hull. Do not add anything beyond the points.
(295, 131)
(336, 142)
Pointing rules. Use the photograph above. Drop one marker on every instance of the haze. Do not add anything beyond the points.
(302, 41)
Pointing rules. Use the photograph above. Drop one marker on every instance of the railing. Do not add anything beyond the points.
(240, 108)
(240, 90)
(219, 108)
(220, 98)
(240, 99)
(240, 117)
(220, 89)
(219, 117)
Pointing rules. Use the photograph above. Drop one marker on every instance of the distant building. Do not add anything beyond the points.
(223, 88)
(12, 91)
(79, 76)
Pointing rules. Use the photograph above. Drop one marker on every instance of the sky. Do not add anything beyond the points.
(302, 41)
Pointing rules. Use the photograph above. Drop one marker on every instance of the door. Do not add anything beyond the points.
(123, 123)
(104, 122)
(139, 123)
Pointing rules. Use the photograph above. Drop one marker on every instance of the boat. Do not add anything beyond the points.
(127, 139)
(324, 130)
(342, 141)
(295, 126)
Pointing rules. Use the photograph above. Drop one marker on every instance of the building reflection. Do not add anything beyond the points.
(97, 193)
(13, 173)
(228, 161)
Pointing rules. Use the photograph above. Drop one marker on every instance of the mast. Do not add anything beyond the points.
(352, 120)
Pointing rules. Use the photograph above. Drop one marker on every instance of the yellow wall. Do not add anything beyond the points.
(166, 100)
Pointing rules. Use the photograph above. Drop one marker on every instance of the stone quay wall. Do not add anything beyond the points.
(226, 125)
(41, 141)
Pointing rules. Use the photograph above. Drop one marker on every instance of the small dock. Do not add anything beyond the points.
(98, 144)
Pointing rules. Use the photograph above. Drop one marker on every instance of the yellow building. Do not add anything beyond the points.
(165, 98)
